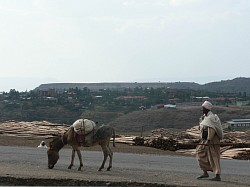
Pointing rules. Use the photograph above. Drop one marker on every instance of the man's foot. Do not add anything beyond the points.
(217, 178)
(203, 176)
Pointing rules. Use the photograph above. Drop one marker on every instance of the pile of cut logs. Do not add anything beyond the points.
(235, 145)
(33, 129)
(162, 142)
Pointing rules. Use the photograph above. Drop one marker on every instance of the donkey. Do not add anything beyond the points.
(100, 136)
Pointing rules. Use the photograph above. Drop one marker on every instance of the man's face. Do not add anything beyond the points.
(204, 110)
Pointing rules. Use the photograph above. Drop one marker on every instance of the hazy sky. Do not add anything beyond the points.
(45, 41)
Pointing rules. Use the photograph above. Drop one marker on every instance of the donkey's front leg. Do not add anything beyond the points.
(80, 159)
(72, 158)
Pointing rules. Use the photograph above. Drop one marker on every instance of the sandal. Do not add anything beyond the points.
(216, 179)
(202, 177)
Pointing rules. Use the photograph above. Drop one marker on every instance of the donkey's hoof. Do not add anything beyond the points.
(70, 166)
(79, 169)
(108, 169)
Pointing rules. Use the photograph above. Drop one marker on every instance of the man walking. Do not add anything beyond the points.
(208, 152)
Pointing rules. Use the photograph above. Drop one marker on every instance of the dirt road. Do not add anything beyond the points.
(28, 166)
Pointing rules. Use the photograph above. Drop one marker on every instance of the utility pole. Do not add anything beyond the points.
(142, 128)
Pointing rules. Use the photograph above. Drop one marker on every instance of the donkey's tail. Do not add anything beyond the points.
(113, 137)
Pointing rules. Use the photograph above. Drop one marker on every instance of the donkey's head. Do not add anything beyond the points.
(53, 152)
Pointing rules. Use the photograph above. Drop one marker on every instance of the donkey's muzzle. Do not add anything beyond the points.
(50, 166)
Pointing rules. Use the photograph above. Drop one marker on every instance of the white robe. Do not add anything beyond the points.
(208, 157)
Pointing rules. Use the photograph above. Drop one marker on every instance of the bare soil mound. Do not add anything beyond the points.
(179, 118)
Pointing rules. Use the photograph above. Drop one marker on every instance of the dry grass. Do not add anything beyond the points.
(180, 118)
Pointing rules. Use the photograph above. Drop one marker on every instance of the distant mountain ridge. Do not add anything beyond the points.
(236, 85)
(240, 84)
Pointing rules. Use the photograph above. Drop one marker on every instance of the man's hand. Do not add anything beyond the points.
(207, 143)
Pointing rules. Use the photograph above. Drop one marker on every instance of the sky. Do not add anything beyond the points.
(92, 41)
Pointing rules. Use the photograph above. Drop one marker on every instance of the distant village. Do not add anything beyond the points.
(126, 100)
(173, 98)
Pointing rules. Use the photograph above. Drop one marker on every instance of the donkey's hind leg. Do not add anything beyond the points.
(80, 159)
(72, 158)
(110, 158)
(105, 156)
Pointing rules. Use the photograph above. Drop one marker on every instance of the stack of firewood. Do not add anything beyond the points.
(139, 141)
(161, 142)
(31, 129)
(244, 155)
(234, 145)
(236, 153)
(125, 139)
(168, 139)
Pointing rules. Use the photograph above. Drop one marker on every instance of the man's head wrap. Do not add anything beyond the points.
(207, 105)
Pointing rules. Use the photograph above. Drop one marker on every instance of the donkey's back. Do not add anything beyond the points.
(104, 134)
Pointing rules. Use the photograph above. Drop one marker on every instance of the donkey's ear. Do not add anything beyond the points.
(50, 144)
